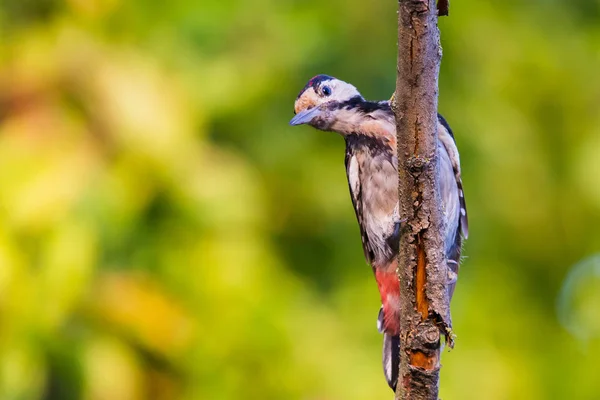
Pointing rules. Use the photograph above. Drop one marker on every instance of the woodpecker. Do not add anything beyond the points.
(369, 129)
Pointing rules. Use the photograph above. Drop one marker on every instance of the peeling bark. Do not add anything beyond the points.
(425, 310)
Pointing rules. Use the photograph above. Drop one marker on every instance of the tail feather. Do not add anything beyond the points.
(391, 353)
(391, 359)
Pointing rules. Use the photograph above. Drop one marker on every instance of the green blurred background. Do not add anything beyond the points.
(164, 234)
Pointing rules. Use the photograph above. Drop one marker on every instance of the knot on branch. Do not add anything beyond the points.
(416, 165)
(426, 336)
(419, 6)
(424, 344)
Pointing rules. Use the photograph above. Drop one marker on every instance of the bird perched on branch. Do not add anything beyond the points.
(369, 129)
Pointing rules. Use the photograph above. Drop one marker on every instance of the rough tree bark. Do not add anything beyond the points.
(425, 310)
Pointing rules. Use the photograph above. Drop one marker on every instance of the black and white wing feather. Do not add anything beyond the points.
(353, 174)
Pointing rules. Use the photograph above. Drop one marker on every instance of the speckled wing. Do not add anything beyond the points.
(353, 174)
(454, 201)
(450, 146)
(464, 222)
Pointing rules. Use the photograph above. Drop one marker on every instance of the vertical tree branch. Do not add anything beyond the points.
(425, 311)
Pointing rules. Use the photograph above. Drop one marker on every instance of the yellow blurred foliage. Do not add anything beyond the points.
(164, 234)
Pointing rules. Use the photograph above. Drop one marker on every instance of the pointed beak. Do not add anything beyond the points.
(304, 117)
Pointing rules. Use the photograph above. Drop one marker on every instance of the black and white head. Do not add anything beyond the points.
(321, 99)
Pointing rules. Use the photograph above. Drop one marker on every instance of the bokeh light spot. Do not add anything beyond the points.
(579, 299)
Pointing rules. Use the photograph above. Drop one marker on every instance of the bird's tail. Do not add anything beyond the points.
(391, 353)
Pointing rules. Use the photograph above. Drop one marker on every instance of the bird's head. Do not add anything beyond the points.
(318, 103)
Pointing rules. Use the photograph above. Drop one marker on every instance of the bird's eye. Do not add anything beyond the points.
(326, 90)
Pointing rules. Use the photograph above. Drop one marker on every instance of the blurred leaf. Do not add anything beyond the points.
(165, 234)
